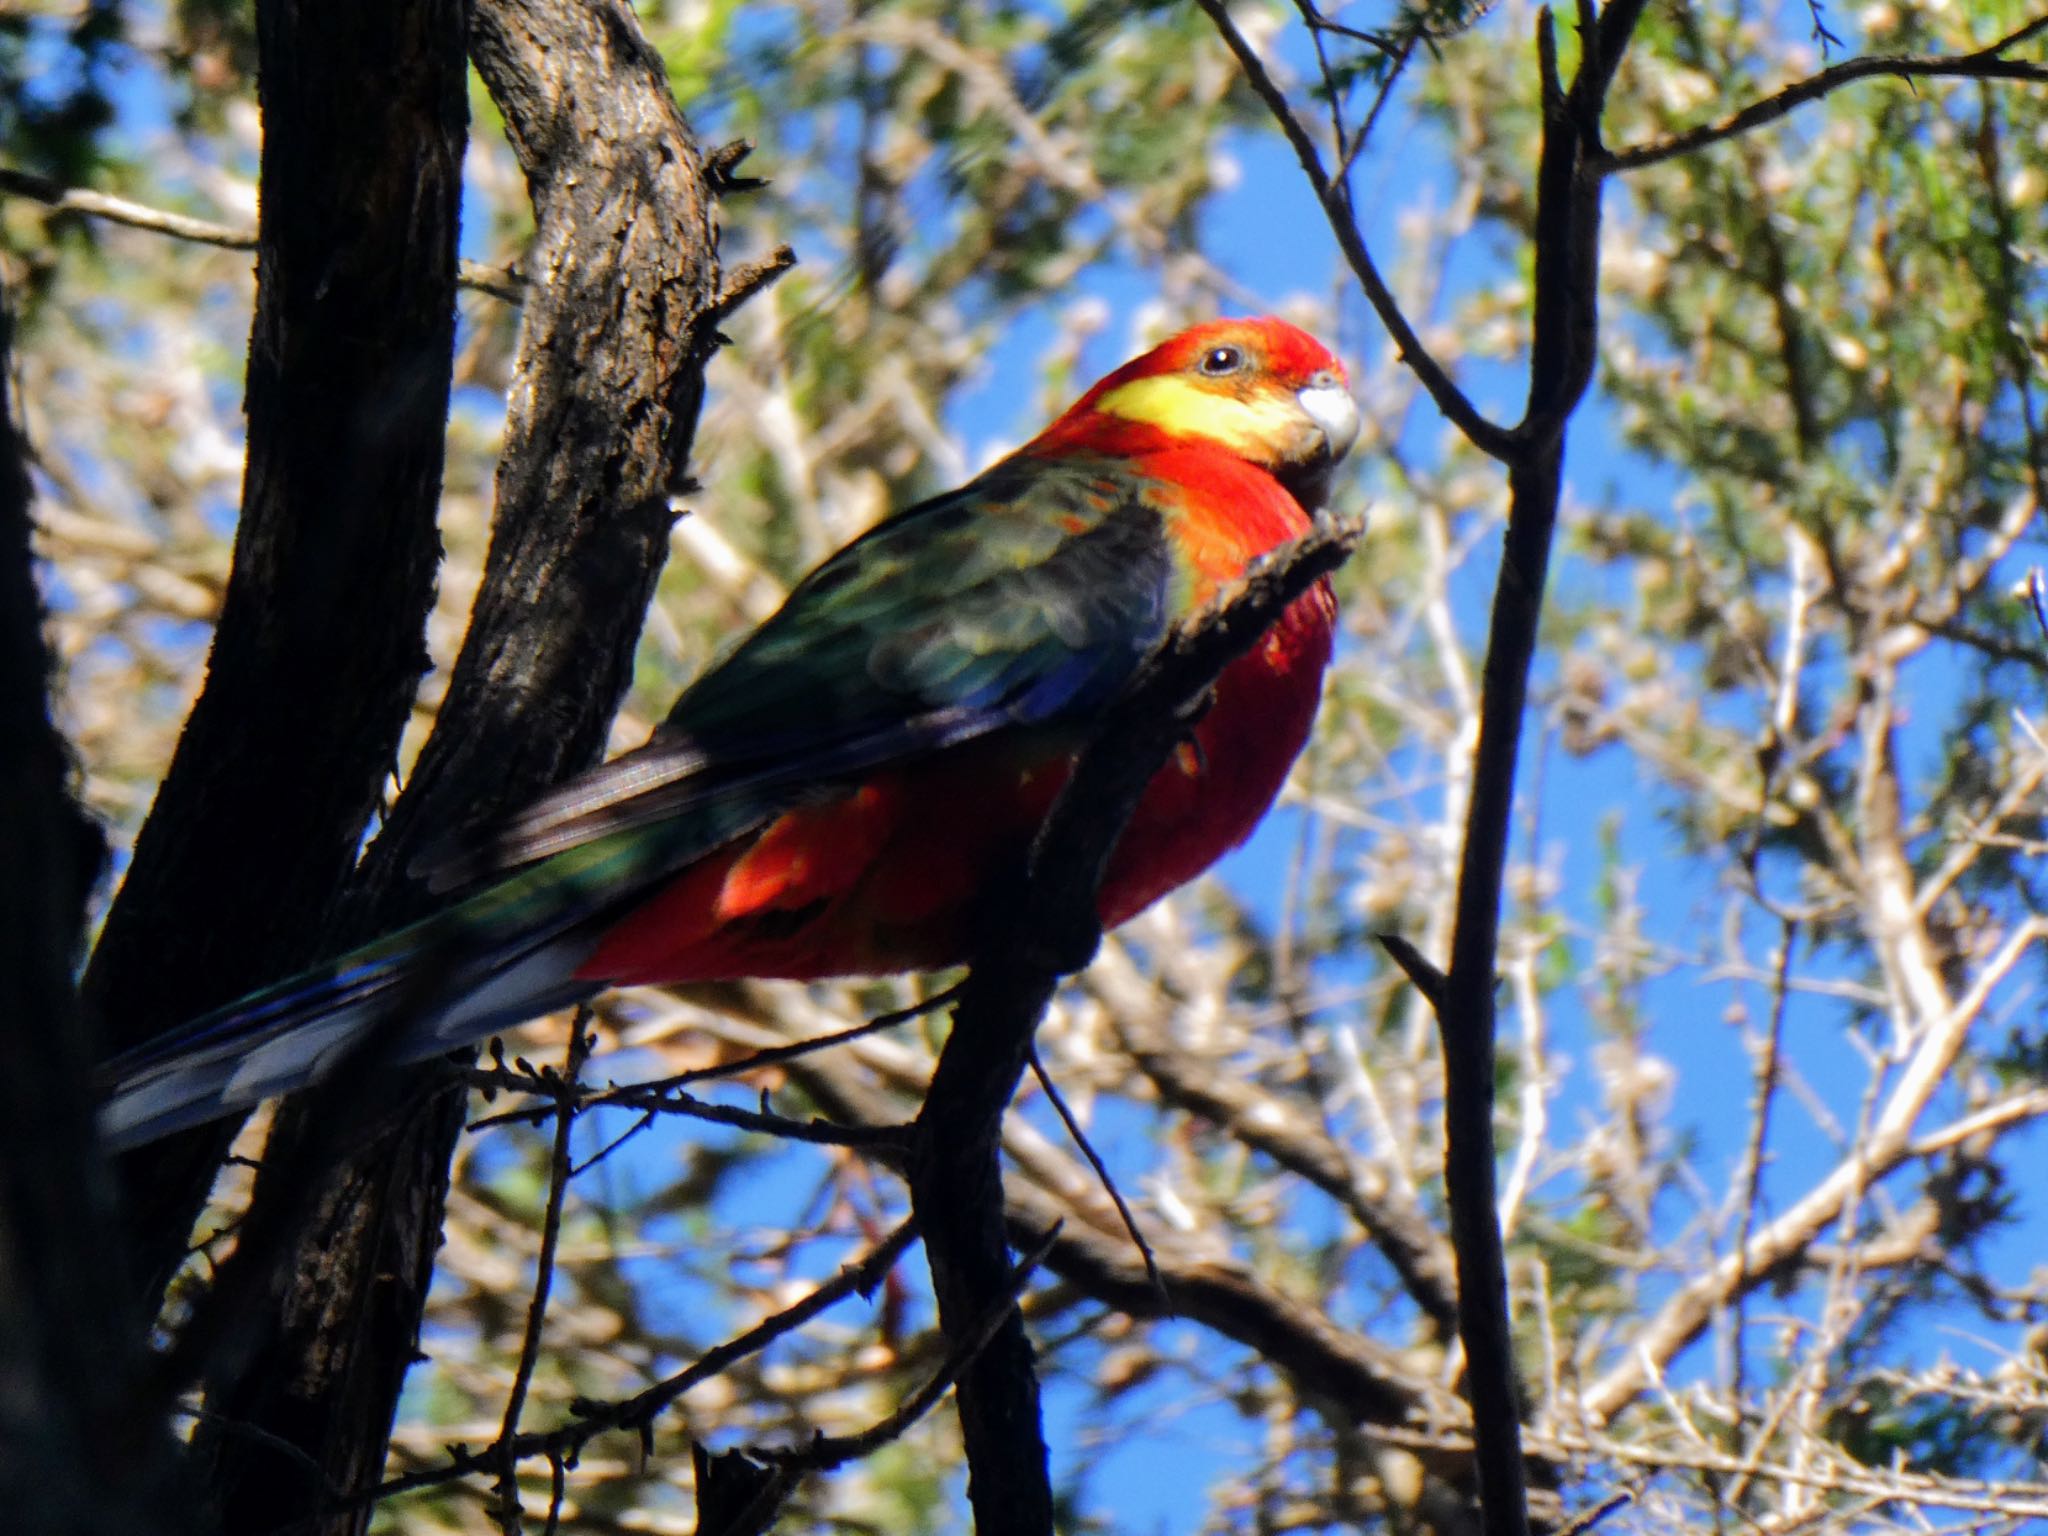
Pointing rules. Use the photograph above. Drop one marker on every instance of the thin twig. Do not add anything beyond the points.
(1116, 1196)
(1599, 1512)
(671, 1102)
(1987, 63)
(638, 1095)
(1416, 966)
(748, 279)
(559, 1169)
(499, 281)
(639, 1411)
(646, 1119)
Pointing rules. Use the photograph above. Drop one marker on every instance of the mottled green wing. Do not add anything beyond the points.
(1025, 598)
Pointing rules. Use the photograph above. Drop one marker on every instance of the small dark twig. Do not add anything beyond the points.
(636, 1095)
(721, 168)
(1822, 33)
(646, 1119)
(559, 1171)
(749, 279)
(1599, 1512)
(1416, 966)
(1123, 1211)
(558, 1494)
(673, 1102)
(1397, 65)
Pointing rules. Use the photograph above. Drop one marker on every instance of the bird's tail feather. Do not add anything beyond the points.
(294, 1033)
(506, 954)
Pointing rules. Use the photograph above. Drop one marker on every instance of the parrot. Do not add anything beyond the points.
(842, 793)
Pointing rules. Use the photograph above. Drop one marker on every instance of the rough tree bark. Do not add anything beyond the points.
(77, 1452)
(320, 640)
(620, 321)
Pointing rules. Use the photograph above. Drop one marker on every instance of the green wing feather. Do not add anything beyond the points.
(1025, 598)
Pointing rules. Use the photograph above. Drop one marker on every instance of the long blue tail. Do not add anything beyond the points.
(288, 1035)
(505, 954)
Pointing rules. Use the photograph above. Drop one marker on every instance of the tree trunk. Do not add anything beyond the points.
(619, 323)
(78, 1450)
(320, 641)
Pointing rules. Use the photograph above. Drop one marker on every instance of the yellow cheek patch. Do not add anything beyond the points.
(1260, 429)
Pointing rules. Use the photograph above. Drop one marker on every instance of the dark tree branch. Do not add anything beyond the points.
(77, 1453)
(1562, 350)
(1048, 928)
(1987, 63)
(320, 641)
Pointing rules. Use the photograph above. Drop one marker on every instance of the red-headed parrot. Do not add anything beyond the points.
(842, 792)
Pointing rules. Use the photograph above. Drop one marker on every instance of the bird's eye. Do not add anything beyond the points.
(1220, 361)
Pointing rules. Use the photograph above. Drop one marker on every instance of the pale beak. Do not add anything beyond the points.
(1330, 406)
(1327, 403)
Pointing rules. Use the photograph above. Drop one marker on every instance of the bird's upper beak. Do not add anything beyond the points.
(1327, 403)
(1330, 406)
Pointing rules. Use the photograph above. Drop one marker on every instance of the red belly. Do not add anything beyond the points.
(891, 876)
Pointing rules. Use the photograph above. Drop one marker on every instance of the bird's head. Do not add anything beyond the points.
(1262, 390)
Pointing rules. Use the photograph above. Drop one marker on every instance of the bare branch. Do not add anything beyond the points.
(1051, 926)
(1080, 1137)
(500, 282)
(670, 1101)
(660, 1094)
(640, 1410)
(1887, 1147)
(1987, 63)
(580, 1040)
